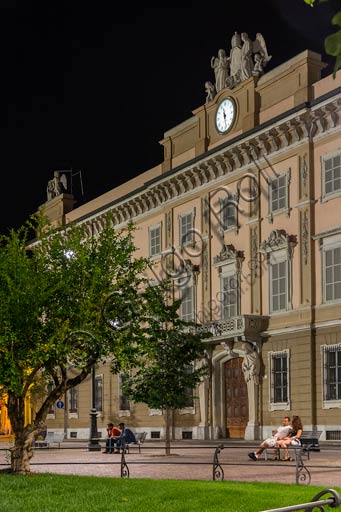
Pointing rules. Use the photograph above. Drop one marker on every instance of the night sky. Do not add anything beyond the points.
(95, 88)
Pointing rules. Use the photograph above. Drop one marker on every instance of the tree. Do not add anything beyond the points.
(332, 43)
(58, 302)
(173, 356)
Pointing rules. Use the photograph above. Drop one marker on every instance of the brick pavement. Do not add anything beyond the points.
(188, 460)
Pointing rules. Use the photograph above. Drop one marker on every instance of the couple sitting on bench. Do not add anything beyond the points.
(286, 435)
(118, 437)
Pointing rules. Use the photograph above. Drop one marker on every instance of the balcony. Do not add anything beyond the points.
(243, 327)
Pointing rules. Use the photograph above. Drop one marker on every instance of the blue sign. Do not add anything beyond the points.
(60, 404)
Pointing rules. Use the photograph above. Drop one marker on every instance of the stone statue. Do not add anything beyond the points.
(251, 363)
(210, 91)
(247, 58)
(246, 63)
(258, 67)
(235, 57)
(56, 186)
(220, 65)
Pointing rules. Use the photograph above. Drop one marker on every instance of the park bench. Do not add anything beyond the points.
(309, 442)
(49, 439)
(140, 438)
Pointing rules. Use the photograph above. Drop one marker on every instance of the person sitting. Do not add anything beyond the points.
(113, 434)
(126, 437)
(293, 439)
(271, 442)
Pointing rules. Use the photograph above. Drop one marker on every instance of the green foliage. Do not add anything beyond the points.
(54, 293)
(169, 367)
(332, 42)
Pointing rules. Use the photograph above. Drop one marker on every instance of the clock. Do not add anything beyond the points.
(225, 115)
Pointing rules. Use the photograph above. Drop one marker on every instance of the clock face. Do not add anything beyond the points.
(225, 115)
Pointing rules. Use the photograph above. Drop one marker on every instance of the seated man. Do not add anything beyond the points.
(113, 434)
(126, 437)
(294, 437)
(271, 442)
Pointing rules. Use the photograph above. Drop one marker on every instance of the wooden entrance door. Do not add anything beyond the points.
(237, 406)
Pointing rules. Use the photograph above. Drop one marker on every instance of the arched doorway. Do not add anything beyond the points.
(236, 396)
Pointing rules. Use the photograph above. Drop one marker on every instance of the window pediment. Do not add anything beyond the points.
(278, 240)
(228, 255)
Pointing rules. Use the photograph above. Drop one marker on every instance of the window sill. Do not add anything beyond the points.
(279, 406)
(230, 229)
(331, 302)
(329, 197)
(283, 211)
(155, 412)
(123, 413)
(73, 415)
(187, 410)
(332, 404)
(155, 256)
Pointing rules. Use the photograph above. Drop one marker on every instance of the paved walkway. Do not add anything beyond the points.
(188, 460)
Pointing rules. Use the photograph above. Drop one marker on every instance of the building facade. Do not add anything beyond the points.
(244, 213)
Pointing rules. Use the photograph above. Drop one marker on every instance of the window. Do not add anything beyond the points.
(99, 393)
(279, 248)
(189, 402)
(186, 228)
(279, 381)
(187, 304)
(73, 400)
(332, 374)
(279, 194)
(331, 174)
(124, 402)
(332, 274)
(228, 213)
(230, 292)
(279, 286)
(155, 240)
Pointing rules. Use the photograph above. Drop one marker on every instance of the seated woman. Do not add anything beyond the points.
(293, 438)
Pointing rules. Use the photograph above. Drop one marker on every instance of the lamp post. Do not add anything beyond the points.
(93, 443)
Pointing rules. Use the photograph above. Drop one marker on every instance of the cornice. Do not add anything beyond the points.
(311, 121)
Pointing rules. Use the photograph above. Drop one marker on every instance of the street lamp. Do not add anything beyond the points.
(93, 443)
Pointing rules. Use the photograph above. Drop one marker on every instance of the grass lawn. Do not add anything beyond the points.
(61, 493)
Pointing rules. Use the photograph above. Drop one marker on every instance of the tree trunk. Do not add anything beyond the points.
(168, 427)
(22, 452)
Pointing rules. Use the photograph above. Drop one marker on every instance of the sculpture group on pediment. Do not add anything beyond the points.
(246, 58)
(57, 185)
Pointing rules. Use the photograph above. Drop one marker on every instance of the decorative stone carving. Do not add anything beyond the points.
(210, 91)
(56, 186)
(279, 239)
(254, 250)
(305, 235)
(246, 58)
(304, 171)
(168, 220)
(205, 265)
(251, 363)
(228, 347)
(227, 254)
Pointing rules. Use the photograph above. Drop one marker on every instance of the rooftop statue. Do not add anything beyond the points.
(246, 58)
(56, 186)
(220, 65)
(210, 91)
